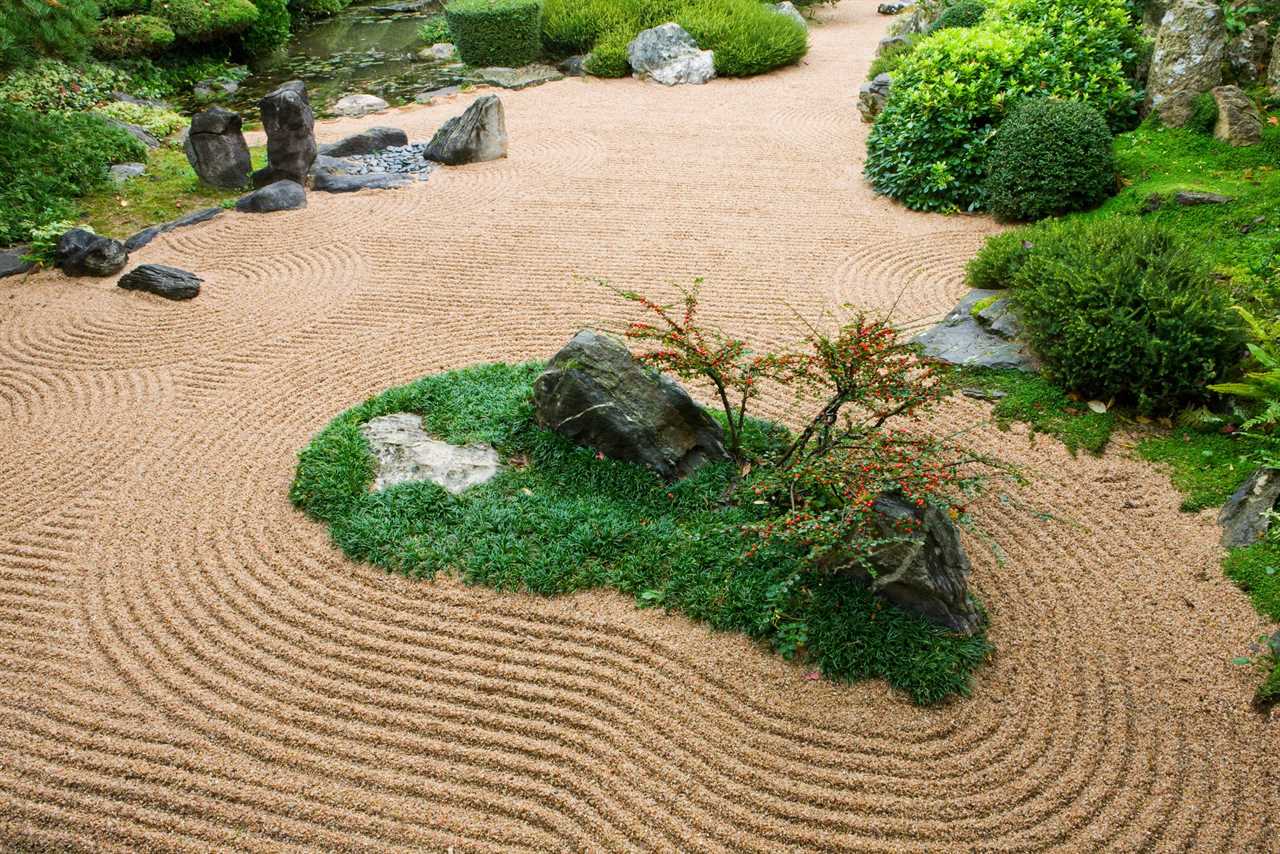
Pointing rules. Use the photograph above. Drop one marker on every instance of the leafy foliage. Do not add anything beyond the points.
(206, 20)
(132, 35)
(318, 8)
(965, 13)
(1261, 385)
(892, 56)
(156, 121)
(1033, 174)
(1000, 258)
(52, 84)
(496, 32)
(1205, 467)
(435, 30)
(270, 30)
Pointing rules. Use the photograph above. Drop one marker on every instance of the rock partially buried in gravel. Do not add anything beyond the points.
(595, 394)
(12, 263)
(163, 281)
(407, 454)
(571, 66)
(669, 55)
(146, 235)
(873, 95)
(365, 142)
(1244, 518)
(431, 94)
(479, 134)
(83, 253)
(279, 196)
(355, 106)
(336, 182)
(519, 78)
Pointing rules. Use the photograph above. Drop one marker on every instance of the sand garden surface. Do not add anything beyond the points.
(187, 663)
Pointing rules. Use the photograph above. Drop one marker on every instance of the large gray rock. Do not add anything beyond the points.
(279, 196)
(13, 261)
(595, 394)
(1244, 518)
(670, 56)
(873, 95)
(354, 106)
(161, 280)
(1239, 122)
(364, 142)
(926, 571)
(216, 149)
(291, 140)
(477, 135)
(327, 181)
(1188, 58)
(83, 253)
(962, 339)
(146, 235)
(1248, 53)
(519, 78)
(407, 454)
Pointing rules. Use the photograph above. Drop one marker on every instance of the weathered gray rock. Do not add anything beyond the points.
(216, 149)
(1187, 60)
(337, 182)
(12, 263)
(670, 56)
(83, 253)
(365, 142)
(786, 7)
(291, 140)
(1244, 518)
(519, 78)
(331, 165)
(355, 106)
(280, 196)
(407, 454)
(400, 8)
(1248, 53)
(572, 66)
(479, 134)
(926, 572)
(1239, 122)
(1191, 198)
(439, 52)
(146, 235)
(122, 172)
(873, 95)
(1001, 320)
(136, 131)
(595, 394)
(161, 280)
(961, 340)
(207, 90)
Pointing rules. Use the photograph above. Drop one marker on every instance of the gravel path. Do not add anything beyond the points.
(186, 663)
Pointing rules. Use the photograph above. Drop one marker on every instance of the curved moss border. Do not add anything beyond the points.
(558, 519)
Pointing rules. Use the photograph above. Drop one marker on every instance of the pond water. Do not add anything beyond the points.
(370, 48)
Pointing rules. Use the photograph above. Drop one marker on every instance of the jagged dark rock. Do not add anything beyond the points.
(291, 141)
(364, 142)
(337, 182)
(83, 253)
(146, 235)
(277, 196)
(216, 149)
(163, 281)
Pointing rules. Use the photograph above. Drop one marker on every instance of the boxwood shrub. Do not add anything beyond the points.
(132, 35)
(206, 20)
(496, 32)
(1049, 157)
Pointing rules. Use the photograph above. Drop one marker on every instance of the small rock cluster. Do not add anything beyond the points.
(399, 159)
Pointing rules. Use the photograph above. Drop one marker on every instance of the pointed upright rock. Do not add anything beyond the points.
(477, 135)
(291, 140)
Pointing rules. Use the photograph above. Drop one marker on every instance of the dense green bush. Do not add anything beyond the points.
(1049, 157)
(928, 148)
(1000, 258)
(1122, 308)
(132, 35)
(206, 20)
(156, 121)
(435, 30)
(318, 8)
(270, 30)
(109, 8)
(892, 56)
(49, 160)
(496, 32)
(966, 13)
(30, 29)
(609, 56)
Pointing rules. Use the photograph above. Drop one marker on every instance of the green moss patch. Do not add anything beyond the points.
(1205, 467)
(558, 519)
(1042, 406)
(1256, 569)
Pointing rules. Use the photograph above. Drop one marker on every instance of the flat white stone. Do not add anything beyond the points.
(406, 453)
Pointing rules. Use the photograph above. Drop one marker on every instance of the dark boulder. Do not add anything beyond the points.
(291, 142)
(365, 142)
(83, 253)
(279, 196)
(12, 261)
(595, 394)
(167, 282)
(477, 135)
(216, 149)
(1244, 518)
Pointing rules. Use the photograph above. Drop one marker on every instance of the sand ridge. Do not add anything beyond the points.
(186, 663)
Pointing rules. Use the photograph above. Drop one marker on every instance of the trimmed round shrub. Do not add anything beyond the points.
(1126, 309)
(966, 13)
(1049, 157)
(132, 35)
(206, 20)
(496, 32)
(747, 37)
(270, 30)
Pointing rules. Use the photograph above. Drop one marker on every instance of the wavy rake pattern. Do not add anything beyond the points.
(186, 663)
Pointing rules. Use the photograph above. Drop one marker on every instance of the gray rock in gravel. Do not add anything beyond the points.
(595, 394)
(291, 141)
(279, 196)
(161, 280)
(572, 66)
(406, 453)
(137, 132)
(216, 149)
(83, 253)
(365, 142)
(669, 55)
(961, 340)
(331, 165)
(1187, 60)
(873, 95)
(355, 106)
(788, 8)
(122, 172)
(11, 263)
(331, 182)
(1248, 53)
(146, 235)
(1244, 518)
(1239, 122)
(519, 78)
(479, 134)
